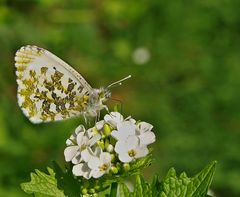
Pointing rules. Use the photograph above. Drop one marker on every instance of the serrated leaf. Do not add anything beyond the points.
(43, 184)
(172, 186)
(202, 181)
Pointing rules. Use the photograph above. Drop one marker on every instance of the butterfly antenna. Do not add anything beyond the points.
(118, 83)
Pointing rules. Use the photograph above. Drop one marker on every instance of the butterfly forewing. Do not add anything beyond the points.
(48, 88)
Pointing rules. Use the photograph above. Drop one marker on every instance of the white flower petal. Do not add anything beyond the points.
(124, 130)
(147, 138)
(69, 142)
(70, 152)
(117, 135)
(120, 147)
(94, 139)
(129, 118)
(97, 151)
(94, 163)
(77, 158)
(141, 152)
(77, 169)
(105, 157)
(87, 154)
(132, 120)
(79, 129)
(82, 170)
(99, 125)
(131, 142)
(80, 137)
(114, 118)
(89, 133)
(73, 137)
(97, 173)
(144, 127)
(124, 157)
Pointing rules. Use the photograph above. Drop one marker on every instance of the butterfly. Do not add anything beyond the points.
(51, 90)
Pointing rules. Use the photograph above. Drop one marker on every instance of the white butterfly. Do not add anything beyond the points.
(50, 90)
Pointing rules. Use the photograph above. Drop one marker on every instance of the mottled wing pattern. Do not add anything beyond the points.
(48, 88)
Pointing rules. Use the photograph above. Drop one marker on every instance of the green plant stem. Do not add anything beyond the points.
(113, 192)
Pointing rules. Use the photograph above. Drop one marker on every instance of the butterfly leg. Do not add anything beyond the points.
(97, 116)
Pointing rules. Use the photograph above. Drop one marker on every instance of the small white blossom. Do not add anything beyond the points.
(82, 169)
(85, 147)
(100, 165)
(73, 138)
(130, 149)
(124, 130)
(114, 118)
(72, 149)
(75, 151)
(145, 134)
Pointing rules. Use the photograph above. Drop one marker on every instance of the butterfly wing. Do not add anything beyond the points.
(48, 88)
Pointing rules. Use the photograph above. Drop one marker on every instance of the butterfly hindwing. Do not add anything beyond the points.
(48, 88)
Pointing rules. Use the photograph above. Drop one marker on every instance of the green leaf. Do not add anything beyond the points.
(155, 186)
(123, 190)
(43, 184)
(201, 181)
(172, 186)
(142, 188)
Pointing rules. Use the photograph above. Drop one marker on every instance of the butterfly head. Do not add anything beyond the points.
(98, 96)
(96, 99)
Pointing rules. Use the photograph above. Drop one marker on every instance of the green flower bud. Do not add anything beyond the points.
(114, 170)
(126, 167)
(101, 144)
(106, 143)
(106, 130)
(95, 131)
(113, 157)
(97, 187)
(92, 191)
(84, 191)
(118, 165)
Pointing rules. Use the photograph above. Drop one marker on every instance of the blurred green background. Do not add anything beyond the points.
(184, 57)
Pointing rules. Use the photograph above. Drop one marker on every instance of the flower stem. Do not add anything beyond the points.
(113, 192)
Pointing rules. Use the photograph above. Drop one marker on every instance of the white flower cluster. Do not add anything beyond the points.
(96, 151)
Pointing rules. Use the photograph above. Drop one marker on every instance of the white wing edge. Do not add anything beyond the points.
(61, 62)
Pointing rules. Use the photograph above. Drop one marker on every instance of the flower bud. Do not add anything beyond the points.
(118, 165)
(84, 191)
(106, 130)
(113, 157)
(110, 148)
(95, 131)
(126, 167)
(91, 191)
(114, 170)
(101, 144)
(106, 144)
(97, 187)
